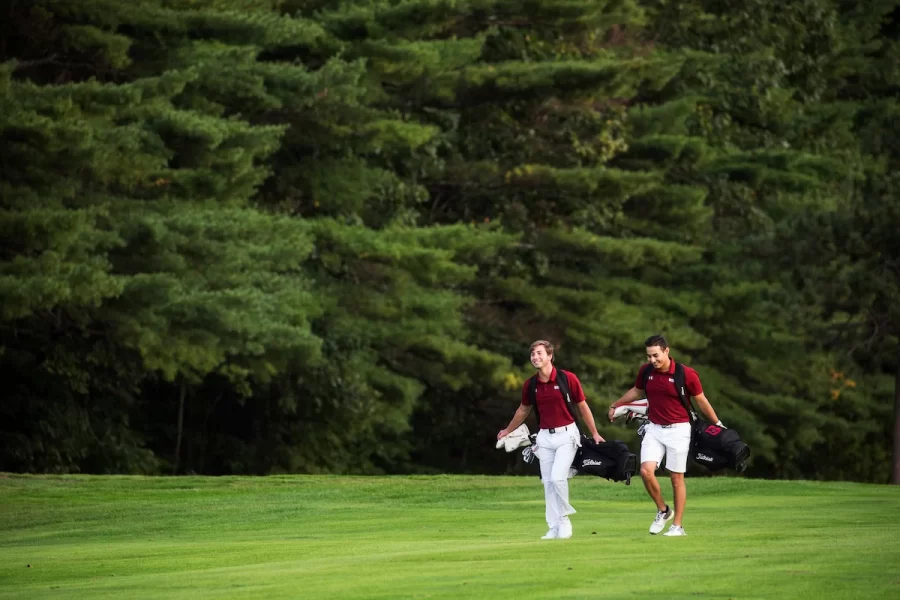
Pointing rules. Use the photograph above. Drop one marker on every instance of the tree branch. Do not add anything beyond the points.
(27, 64)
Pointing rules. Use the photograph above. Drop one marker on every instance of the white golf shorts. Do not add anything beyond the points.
(670, 441)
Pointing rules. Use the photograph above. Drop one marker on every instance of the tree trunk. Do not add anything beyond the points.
(180, 429)
(895, 477)
(204, 431)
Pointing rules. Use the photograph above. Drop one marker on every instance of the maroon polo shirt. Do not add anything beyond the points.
(550, 402)
(664, 407)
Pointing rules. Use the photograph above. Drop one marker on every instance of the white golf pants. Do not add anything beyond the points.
(556, 451)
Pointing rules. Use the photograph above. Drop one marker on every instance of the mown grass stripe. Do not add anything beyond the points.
(437, 537)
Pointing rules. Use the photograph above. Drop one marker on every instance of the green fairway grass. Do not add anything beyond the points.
(438, 537)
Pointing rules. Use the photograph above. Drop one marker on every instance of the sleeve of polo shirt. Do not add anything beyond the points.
(575, 389)
(526, 397)
(692, 382)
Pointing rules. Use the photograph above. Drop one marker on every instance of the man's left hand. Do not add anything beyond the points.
(598, 438)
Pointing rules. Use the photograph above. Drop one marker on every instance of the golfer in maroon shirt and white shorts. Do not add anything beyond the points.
(668, 434)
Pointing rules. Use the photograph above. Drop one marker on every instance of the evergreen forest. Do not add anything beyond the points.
(319, 236)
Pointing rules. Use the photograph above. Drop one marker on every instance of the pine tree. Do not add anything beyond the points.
(219, 304)
(793, 158)
(129, 237)
(531, 101)
(317, 236)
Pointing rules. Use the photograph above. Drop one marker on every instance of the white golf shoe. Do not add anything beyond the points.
(565, 529)
(662, 517)
(675, 530)
(552, 534)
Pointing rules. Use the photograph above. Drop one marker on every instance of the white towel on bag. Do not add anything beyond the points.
(516, 438)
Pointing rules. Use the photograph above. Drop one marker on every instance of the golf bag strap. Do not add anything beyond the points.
(682, 392)
(532, 394)
(645, 375)
(562, 380)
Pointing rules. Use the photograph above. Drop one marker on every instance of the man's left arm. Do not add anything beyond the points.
(707, 409)
(588, 417)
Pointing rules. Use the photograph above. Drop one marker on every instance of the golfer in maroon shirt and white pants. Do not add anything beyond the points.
(559, 438)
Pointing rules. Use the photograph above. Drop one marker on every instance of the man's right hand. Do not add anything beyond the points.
(611, 414)
(503, 433)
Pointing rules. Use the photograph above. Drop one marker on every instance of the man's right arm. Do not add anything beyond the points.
(628, 397)
(521, 414)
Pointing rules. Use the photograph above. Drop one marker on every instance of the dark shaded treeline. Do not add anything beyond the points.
(254, 236)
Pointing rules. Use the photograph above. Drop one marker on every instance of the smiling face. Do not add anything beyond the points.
(658, 357)
(541, 354)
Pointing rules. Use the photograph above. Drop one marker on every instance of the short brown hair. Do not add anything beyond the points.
(547, 345)
(656, 340)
